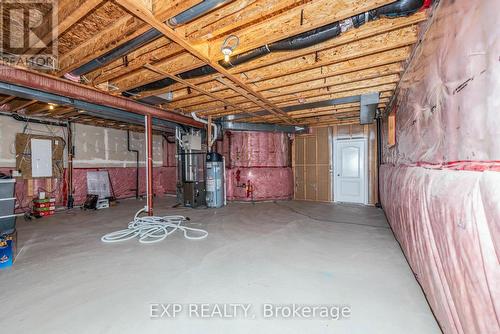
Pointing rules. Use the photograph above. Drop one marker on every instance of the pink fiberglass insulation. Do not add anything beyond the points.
(440, 185)
(123, 181)
(263, 158)
(447, 104)
(447, 224)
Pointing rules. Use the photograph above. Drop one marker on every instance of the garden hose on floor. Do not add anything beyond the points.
(151, 229)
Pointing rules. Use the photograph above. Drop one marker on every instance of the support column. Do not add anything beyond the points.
(148, 130)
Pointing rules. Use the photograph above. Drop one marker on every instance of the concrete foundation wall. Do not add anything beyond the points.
(96, 148)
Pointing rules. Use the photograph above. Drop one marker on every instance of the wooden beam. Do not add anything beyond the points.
(237, 15)
(184, 82)
(313, 81)
(123, 30)
(177, 64)
(377, 49)
(196, 50)
(252, 98)
(385, 91)
(370, 29)
(307, 95)
(7, 100)
(67, 22)
(24, 105)
(298, 20)
(152, 53)
(322, 72)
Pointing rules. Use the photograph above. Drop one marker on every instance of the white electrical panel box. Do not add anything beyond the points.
(192, 142)
(41, 158)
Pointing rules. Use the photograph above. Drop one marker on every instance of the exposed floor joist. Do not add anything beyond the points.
(360, 60)
(142, 12)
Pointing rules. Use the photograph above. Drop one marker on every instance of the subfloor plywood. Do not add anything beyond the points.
(66, 279)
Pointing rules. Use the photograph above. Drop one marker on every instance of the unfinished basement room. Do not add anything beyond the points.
(250, 166)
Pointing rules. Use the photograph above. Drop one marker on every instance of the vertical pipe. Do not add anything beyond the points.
(70, 199)
(379, 156)
(209, 134)
(149, 164)
(136, 165)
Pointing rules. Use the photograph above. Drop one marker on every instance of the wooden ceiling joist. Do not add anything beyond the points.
(305, 77)
(361, 60)
(378, 27)
(6, 100)
(300, 19)
(388, 47)
(320, 82)
(70, 19)
(24, 105)
(197, 51)
(184, 82)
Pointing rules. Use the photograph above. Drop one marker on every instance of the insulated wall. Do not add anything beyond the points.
(440, 182)
(258, 159)
(96, 148)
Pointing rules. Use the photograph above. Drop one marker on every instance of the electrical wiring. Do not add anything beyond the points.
(152, 229)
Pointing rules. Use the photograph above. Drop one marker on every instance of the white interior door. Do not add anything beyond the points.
(350, 171)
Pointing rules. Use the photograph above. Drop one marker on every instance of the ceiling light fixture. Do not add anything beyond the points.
(230, 43)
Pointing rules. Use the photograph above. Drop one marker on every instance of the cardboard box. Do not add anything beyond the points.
(8, 249)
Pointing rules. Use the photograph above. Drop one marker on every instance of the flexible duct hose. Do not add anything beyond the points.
(152, 229)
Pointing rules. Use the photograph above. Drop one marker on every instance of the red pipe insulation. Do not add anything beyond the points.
(50, 84)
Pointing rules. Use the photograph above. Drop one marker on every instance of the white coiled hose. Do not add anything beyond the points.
(151, 229)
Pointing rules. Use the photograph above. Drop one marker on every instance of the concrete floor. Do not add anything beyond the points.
(66, 280)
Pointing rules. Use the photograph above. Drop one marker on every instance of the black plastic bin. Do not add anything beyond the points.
(7, 203)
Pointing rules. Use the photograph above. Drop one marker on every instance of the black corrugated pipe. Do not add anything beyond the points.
(322, 34)
(303, 40)
(186, 16)
(399, 8)
(197, 10)
(118, 52)
(136, 164)
(194, 73)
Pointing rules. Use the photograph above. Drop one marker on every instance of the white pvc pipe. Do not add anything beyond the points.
(216, 128)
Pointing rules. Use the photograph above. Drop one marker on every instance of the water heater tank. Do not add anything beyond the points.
(215, 180)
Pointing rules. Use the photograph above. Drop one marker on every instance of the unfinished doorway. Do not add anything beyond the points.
(350, 171)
